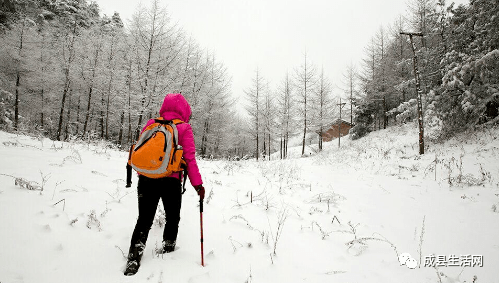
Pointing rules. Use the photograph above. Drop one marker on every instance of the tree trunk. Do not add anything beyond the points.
(87, 115)
(320, 139)
(286, 145)
(91, 88)
(305, 123)
(257, 114)
(41, 111)
(129, 122)
(101, 119)
(122, 120)
(269, 145)
(68, 116)
(145, 87)
(305, 81)
(257, 145)
(78, 116)
(107, 107)
(351, 101)
(139, 122)
(265, 147)
(67, 86)
(16, 103)
(204, 139)
(385, 118)
(67, 78)
(339, 126)
(129, 82)
(280, 148)
(18, 77)
(42, 48)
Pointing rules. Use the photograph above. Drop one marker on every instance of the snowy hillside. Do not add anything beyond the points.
(342, 215)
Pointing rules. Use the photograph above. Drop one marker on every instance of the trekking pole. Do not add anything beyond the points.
(201, 221)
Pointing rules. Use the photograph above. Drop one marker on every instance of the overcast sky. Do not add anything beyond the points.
(274, 35)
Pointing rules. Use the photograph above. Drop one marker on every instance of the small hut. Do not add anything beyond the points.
(338, 127)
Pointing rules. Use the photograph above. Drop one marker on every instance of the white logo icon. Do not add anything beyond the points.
(407, 260)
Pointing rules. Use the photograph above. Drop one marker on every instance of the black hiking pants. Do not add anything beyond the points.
(149, 191)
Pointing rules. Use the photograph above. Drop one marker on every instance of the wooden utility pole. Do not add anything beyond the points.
(339, 123)
(418, 88)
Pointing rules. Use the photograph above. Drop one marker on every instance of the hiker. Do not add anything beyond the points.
(168, 189)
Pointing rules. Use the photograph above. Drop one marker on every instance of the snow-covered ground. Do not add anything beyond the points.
(342, 215)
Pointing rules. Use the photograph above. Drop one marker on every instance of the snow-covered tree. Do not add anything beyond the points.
(350, 87)
(269, 119)
(286, 113)
(322, 107)
(156, 48)
(305, 82)
(255, 95)
(17, 52)
(215, 116)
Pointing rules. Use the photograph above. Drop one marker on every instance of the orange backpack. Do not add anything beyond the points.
(157, 153)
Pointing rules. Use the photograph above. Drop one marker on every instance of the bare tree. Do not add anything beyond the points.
(68, 57)
(216, 108)
(421, 18)
(443, 23)
(305, 81)
(373, 79)
(269, 115)
(199, 77)
(22, 29)
(254, 95)
(15, 54)
(108, 79)
(92, 56)
(419, 14)
(44, 60)
(189, 56)
(350, 78)
(151, 30)
(322, 106)
(113, 40)
(399, 48)
(381, 42)
(286, 106)
(68, 115)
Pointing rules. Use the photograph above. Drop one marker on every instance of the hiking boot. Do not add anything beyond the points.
(134, 256)
(132, 266)
(168, 247)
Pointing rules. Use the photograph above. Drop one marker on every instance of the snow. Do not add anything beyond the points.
(346, 214)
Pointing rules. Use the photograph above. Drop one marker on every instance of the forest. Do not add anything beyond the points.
(68, 73)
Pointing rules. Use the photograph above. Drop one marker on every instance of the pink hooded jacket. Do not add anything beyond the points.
(175, 106)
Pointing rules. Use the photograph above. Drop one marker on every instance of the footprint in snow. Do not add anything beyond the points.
(46, 228)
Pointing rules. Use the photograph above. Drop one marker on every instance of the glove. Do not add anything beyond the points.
(200, 190)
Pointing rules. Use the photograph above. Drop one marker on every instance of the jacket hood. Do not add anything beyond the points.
(175, 106)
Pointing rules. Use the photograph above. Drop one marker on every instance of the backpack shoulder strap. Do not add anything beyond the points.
(129, 168)
(161, 120)
(177, 121)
